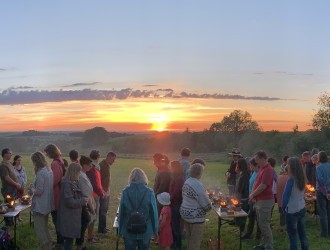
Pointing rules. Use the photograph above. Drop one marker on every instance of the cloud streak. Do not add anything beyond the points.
(13, 96)
(80, 84)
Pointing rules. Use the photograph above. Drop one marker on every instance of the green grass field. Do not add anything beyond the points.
(213, 178)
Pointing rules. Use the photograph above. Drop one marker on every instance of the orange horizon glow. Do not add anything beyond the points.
(149, 115)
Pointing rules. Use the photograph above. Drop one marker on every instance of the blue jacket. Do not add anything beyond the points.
(148, 207)
(323, 178)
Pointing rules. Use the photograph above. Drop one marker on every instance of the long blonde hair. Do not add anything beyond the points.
(39, 160)
(73, 171)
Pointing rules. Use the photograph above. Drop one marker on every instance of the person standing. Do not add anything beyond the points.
(293, 203)
(57, 166)
(262, 193)
(42, 199)
(323, 193)
(165, 239)
(280, 185)
(94, 176)
(177, 181)
(163, 176)
(70, 206)
(105, 166)
(88, 210)
(231, 173)
(195, 205)
(252, 212)
(137, 195)
(20, 172)
(184, 161)
(10, 184)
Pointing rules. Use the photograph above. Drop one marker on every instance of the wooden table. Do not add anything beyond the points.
(13, 214)
(224, 216)
(311, 206)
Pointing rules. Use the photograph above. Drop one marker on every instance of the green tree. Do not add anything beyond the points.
(321, 120)
(236, 122)
(95, 137)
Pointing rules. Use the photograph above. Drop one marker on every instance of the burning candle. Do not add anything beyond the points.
(234, 201)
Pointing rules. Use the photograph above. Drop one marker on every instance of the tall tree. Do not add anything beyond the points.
(236, 122)
(321, 120)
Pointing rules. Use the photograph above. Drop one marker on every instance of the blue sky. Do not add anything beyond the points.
(271, 49)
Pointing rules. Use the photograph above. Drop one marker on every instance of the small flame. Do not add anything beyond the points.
(8, 196)
(235, 202)
(223, 203)
(310, 188)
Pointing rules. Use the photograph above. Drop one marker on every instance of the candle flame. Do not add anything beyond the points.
(234, 201)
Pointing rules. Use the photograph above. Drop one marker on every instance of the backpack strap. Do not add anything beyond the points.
(132, 203)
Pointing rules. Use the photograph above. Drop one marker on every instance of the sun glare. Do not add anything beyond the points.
(159, 122)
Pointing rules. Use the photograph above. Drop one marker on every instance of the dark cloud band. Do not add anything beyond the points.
(13, 96)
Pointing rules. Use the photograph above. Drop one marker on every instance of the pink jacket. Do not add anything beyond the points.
(57, 168)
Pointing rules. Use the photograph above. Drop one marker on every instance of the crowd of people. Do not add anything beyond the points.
(255, 183)
(76, 195)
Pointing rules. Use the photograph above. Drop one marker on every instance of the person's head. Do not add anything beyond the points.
(236, 154)
(6, 154)
(38, 160)
(261, 158)
(296, 171)
(285, 159)
(86, 163)
(253, 164)
(323, 158)
(17, 160)
(111, 157)
(94, 155)
(137, 175)
(315, 159)
(164, 199)
(196, 170)
(242, 165)
(73, 171)
(306, 156)
(159, 160)
(74, 155)
(176, 168)
(185, 152)
(52, 151)
(272, 162)
(198, 160)
(315, 151)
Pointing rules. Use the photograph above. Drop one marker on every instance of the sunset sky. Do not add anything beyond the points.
(161, 65)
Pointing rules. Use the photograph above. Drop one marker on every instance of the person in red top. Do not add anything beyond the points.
(263, 195)
(57, 166)
(94, 176)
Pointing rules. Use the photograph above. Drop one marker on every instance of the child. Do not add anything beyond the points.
(165, 231)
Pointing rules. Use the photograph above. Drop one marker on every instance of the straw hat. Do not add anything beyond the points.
(164, 198)
(235, 151)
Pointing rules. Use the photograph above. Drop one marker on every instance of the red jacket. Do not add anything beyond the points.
(94, 176)
(57, 168)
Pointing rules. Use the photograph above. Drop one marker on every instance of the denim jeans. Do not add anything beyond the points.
(295, 223)
(282, 216)
(68, 242)
(103, 210)
(252, 215)
(131, 244)
(85, 219)
(323, 206)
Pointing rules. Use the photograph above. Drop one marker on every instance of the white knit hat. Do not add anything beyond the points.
(164, 198)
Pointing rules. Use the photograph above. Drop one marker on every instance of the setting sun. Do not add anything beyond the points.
(159, 122)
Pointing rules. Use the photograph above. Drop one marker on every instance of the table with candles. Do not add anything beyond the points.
(12, 209)
(227, 210)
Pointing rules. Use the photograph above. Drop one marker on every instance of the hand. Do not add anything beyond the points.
(18, 186)
(227, 174)
(251, 197)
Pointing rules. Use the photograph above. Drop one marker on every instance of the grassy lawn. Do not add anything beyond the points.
(213, 177)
